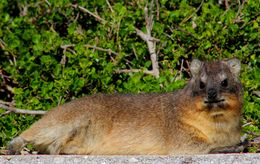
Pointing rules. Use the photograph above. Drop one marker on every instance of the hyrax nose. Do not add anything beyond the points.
(212, 94)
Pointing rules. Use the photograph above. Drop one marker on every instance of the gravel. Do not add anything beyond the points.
(187, 159)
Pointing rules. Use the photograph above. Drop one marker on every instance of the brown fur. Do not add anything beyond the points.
(170, 123)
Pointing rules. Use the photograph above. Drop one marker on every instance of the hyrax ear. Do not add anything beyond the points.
(234, 65)
(195, 67)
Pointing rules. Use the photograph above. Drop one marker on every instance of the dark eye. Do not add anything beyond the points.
(202, 85)
(224, 83)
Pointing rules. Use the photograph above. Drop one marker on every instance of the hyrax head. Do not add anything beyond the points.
(215, 84)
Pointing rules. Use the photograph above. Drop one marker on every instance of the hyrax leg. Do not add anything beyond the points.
(44, 140)
(52, 132)
(16, 145)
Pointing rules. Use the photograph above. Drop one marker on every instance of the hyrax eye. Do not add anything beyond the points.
(224, 83)
(202, 85)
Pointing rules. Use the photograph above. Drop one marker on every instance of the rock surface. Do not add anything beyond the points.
(64, 159)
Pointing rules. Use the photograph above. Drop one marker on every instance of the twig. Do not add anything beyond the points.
(3, 76)
(146, 37)
(101, 49)
(59, 100)
(64, 47)
(134, 71)
(240, 7)
(5, 113)
(182, 30)
(21, 111)
(157, 10)
(6, 103)
(151, 41)
(188, 69)
(257, 93)
(254, 134)
(67, 46)
(135, 52)
(169, 36)
(2, 44)
(77, 17)
(90, 13)
(49, 4)
(246, 124)
(226, 4)
(187, 18)
(178, 74)
(110, 7)
(181, 65)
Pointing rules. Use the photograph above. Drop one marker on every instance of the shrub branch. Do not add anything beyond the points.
(65, 47)
(110, 7)
(9, 109)
(101, 49)
(135, 71)
(90, 13)
(151, 43)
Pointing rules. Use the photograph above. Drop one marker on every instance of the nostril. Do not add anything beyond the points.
(212, 94)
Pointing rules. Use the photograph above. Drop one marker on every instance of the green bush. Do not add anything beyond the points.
(51, 50)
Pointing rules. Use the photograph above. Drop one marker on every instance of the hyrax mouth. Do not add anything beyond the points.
(215, 104)
(213, 101)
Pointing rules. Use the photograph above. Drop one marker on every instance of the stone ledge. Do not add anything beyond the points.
(186, 159)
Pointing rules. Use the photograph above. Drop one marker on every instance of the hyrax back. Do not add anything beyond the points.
(203, 116)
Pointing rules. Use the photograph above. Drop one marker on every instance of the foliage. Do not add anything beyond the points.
(48, 52)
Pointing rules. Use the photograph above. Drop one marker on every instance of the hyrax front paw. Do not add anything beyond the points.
(16, 145)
